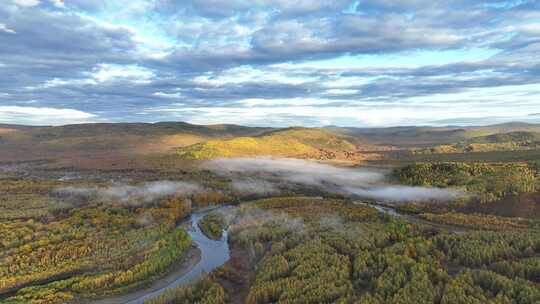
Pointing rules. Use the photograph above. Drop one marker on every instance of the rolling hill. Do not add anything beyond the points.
(511, 141)
(517, 136)
(125, 145)
(430, 136)
(107, 143)
(292, 142)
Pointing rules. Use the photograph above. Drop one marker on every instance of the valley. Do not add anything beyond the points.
(179, 213)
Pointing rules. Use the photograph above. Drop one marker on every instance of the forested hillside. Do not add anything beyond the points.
(295, 142)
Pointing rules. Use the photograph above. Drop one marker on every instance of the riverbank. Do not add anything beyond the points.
(190, 260)
(412, 218)
(208, 254)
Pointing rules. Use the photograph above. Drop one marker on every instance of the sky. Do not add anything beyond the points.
(368, 63)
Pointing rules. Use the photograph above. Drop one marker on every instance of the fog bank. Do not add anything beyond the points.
(132, 194)
(366, 183)
(295, 170)
(406, 193)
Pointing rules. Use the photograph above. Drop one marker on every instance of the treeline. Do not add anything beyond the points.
(316, 205)
(490, 181)
(479, 147)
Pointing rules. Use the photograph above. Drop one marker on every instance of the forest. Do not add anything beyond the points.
(319, 255)
(56, 253)
(489, 181)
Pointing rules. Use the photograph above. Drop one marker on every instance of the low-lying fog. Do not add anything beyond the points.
(267, 175)
(270, 176)
(132, 194)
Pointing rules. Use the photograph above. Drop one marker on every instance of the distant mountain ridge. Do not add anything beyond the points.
(31, 142)
(93, 129)
(516, 136)
(419, 135)
(190, 141)
(511, 141)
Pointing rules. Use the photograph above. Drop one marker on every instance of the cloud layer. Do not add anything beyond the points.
(271, 62)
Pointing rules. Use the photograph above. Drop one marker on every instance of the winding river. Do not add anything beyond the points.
(215, 253)
(212, 255)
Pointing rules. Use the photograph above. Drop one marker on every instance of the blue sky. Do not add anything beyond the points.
(270, 62)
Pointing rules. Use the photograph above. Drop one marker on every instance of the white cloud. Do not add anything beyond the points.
(57, 82)
(252, 74)
(42, 115)
(266, 62)
(439, 109)
(168, 95)
(27, 3)
(109, 72)
(101, 74)
(5, 29)
(253, 102)
(58, 3)
(341, 91)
